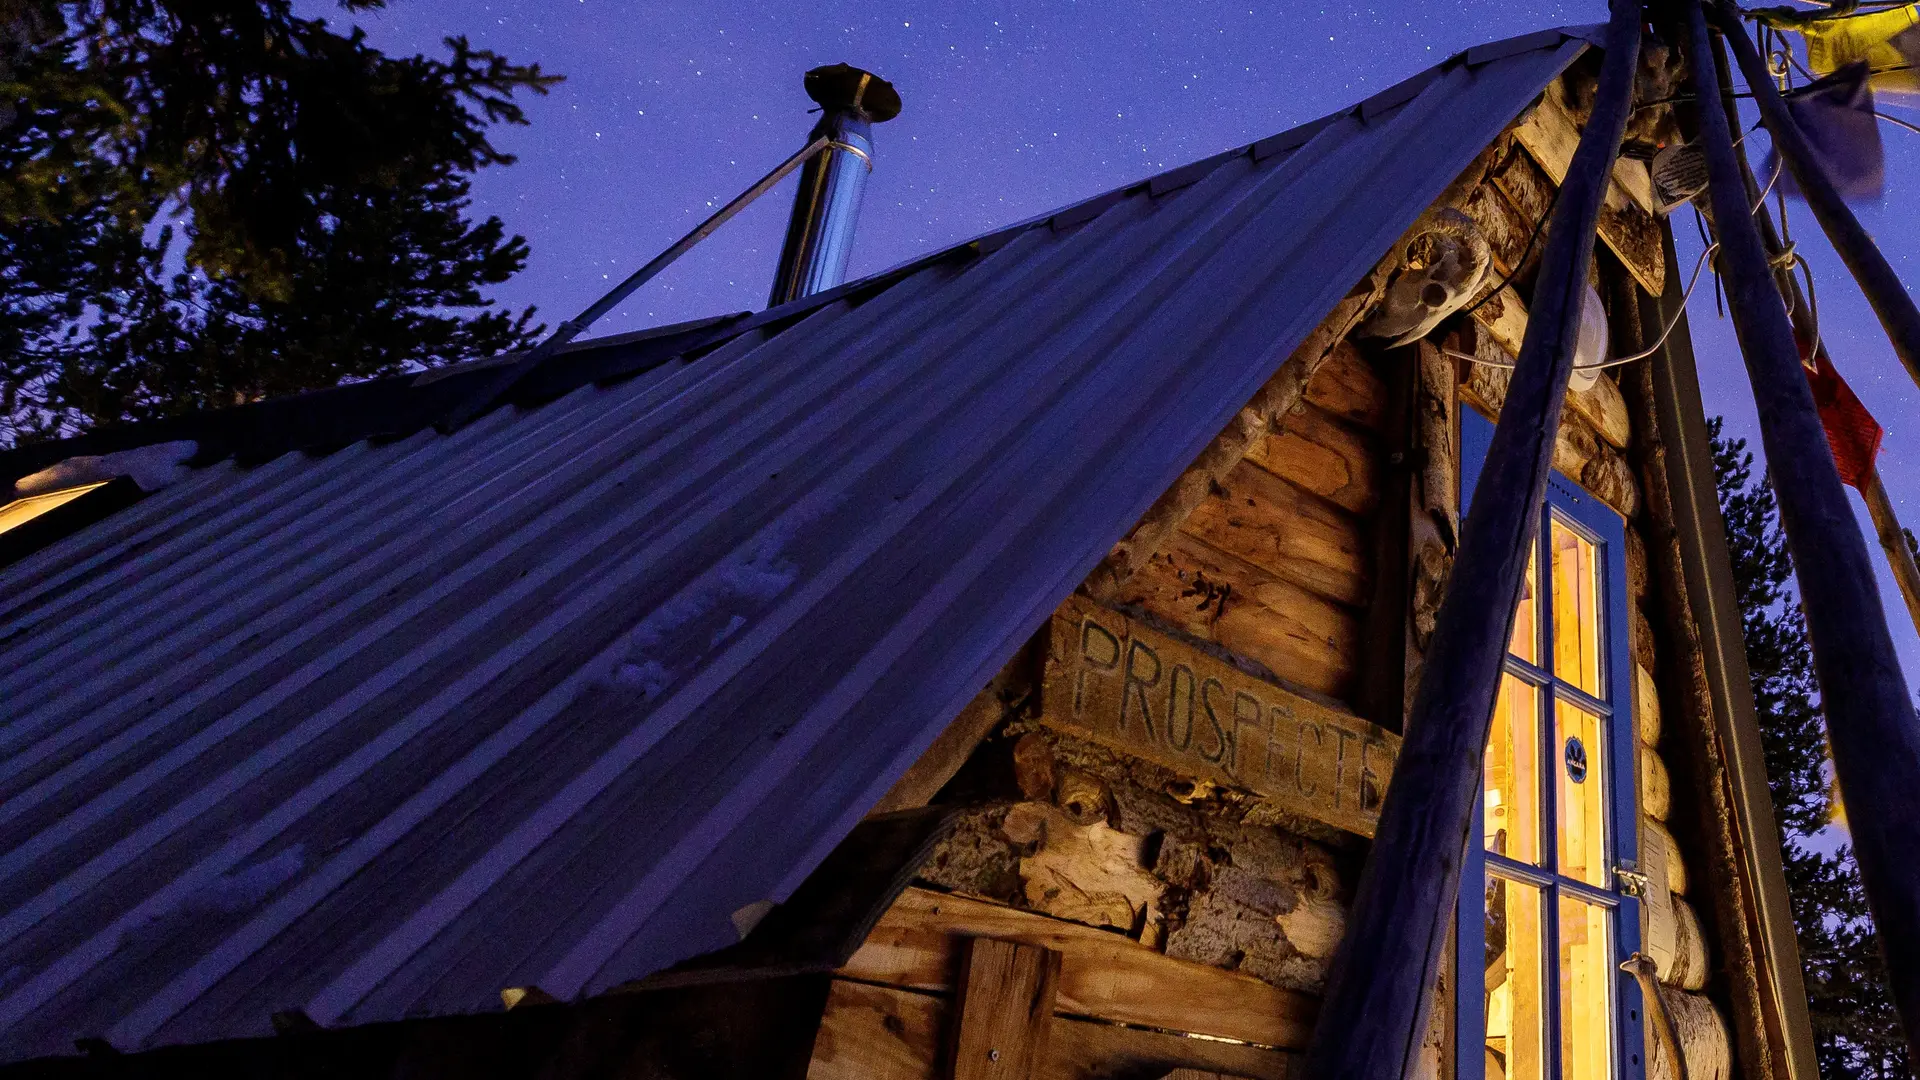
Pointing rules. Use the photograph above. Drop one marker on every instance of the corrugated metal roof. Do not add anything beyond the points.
(376, 733)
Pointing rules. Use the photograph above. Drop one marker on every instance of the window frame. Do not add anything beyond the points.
(1568, 504)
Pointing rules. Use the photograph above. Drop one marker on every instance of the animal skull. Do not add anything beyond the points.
(1440, 269)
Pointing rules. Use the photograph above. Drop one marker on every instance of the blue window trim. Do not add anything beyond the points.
(1572, 506)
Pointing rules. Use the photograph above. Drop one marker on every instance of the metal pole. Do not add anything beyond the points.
(1870, 268)
(1879, 507)
(484, 397)
(1375, 1011)
(1870, 715)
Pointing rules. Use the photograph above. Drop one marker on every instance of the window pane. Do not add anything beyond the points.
(1582, 768)
(1516, 1000)
(1512, 782)
(1576, 610)
(1586, 992)
(1526, 620)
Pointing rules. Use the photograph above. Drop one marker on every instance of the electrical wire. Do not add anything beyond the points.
(1665, 331)
(1514, 270)
(1897, 122)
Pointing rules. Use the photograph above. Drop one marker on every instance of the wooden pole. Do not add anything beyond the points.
(1375, 1012)
(1886, 526)
(1870, 268)
(1894, 541)
(1870, 715)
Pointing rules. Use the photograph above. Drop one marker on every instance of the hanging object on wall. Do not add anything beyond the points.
(1835, 113)
(1439, 272)
(1679, 174)
(1590, 348)
(1888, 42)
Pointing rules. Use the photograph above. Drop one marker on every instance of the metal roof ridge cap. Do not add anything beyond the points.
(631, 337)
(1296, 136)
(1399, 93)
(1188, 174)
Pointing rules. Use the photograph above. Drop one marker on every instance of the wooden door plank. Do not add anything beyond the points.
(886, 1033)
(1102, 975)
(1005, 1001)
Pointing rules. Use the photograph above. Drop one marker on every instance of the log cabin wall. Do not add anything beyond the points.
(1177, 901)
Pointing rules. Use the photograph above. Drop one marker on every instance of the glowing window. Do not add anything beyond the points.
(1541, 911)
(20, 511)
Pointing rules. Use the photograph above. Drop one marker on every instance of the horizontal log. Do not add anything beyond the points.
(1702, 1034)
(1507, 229)
(886, 1033)
(1102, 974)
(1299, 636)
(1290, 533)
(1654, 836)
(1319, 454)
(1579, 452)
(1346, 386)
(1646, 708)
(1636, 566)
(1602, 406)
(1656, 787)
(1690, 956)
(1640, 638)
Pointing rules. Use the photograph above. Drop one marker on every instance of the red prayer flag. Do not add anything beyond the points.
(1852, 431)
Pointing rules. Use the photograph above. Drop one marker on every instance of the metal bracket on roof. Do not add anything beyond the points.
(489, 393)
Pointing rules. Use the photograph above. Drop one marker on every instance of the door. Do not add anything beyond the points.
(1544, 917)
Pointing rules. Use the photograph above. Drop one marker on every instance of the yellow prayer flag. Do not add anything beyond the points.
(1886, 40)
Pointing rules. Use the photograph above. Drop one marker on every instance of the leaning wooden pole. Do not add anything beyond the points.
(1893, 540)
(1870, 716)
(1863, 257)
(1375, 1011)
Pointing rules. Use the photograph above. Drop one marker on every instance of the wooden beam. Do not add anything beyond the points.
(1626, 222)
(1870, 718)
(1375, 1013)
(875, 1032)
(1856, 248)
(1005, 1000)
(1103, 975)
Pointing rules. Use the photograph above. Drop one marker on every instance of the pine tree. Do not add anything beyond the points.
(1856, 1033)
(205, 204)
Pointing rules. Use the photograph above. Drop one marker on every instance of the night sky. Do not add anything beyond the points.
(669, 110)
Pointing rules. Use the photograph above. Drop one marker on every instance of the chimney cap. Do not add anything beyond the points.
(843, 87)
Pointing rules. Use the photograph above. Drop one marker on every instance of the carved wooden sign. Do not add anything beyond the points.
(1124, 684)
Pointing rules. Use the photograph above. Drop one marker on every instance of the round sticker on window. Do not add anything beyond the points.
(1576, 759)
